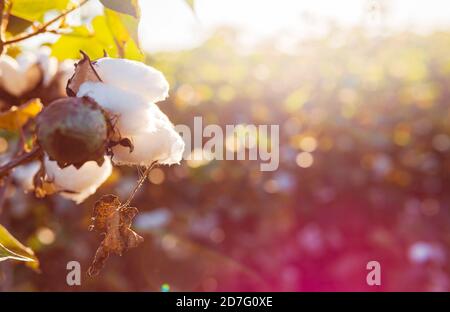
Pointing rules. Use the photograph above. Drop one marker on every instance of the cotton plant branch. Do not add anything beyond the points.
(43, 28)
(20, 159)
(138, 185)
(5, 8)
(68, 33)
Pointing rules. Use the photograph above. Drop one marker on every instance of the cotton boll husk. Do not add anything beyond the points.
(133, 76)
(128, 106)
(23, 175)
(82, 182)
(158, 142)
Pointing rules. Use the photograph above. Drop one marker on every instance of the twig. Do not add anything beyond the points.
(22, 158)
(43, 27)
(69, 34)
(138, 185)
(3, 189)
(7, 6)
(7, 180)
(4, 17)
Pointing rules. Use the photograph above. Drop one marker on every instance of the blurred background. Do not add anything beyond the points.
(361, 91)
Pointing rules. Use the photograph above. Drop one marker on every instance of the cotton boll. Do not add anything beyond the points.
(30, 69)
(48, 64)
(159, 142)
(129, 107)
(18, 77)
(133, 76)
(24, 73)
(81, 182)
(24, 174)
(26, 59)
(164, 146)
(10, 77)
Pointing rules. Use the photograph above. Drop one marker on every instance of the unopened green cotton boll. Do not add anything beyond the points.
(73, 131)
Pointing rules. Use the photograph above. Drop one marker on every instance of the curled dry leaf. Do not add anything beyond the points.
(114, 221)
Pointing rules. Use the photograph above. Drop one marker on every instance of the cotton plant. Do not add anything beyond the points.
(105, 121)
(109, 118)
(73, 121)
(132, 97)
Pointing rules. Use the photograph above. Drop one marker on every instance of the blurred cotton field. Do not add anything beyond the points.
(364, 149)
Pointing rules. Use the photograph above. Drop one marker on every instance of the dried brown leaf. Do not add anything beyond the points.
(114, 221)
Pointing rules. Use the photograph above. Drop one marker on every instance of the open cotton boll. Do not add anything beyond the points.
(23, 175)
(129, 107)
(164, 146)
(10, 76)
(159, 142)
(81, 182)
(48, 64)
(29, 67)
(26, 59)
(133, 76)
(19, 76)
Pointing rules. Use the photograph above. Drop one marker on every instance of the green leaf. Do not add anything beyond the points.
(11, 248)
(130, 7)
(112, 32)
(34, 10)
(68, 46)
(124, 30)
(191, 4)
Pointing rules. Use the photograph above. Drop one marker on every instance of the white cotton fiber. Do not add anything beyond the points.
(81, 182)
(157, 142)
(133, 76)
(48, 64)
(163, 145)
(18, 77)
(24, 174)
(128, 90)
(129, 107)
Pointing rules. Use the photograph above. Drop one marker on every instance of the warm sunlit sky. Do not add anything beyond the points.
(169, 24)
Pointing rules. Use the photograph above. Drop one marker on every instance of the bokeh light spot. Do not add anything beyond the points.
(156, 176)
(45, 235)
(304, 160)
